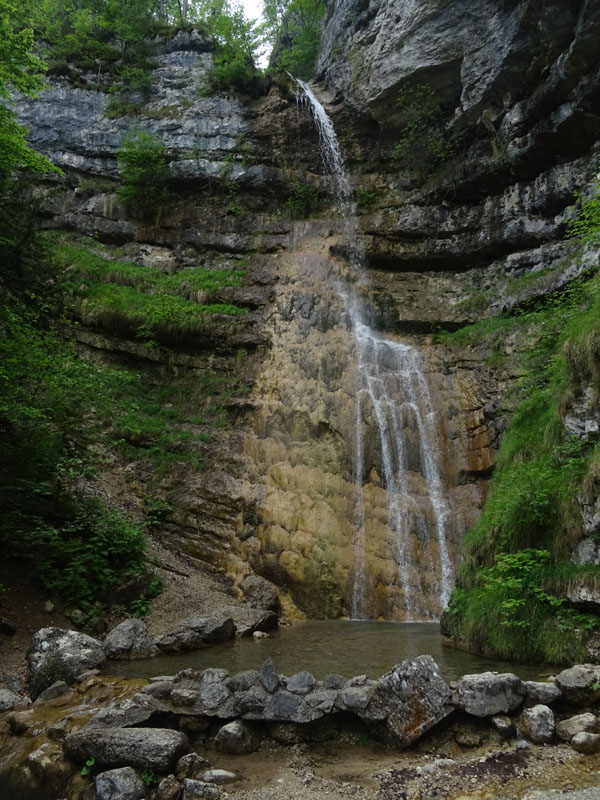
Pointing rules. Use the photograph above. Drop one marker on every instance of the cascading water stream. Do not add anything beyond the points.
(393, 391)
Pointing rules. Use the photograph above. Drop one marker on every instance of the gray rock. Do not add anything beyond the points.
(253, 701)
(355, 698)
(123, 783)
(489, 693)
(251, 621)
(192, 765)
(10, 700)
(168, 789)
(144, 748)
(238, 737)
(301, 683)
(159, 689)
(199, 790)
(322, 700)
(12, 682)
(537, 724)
(215, 700)
(268, 676)
(183, 697)
(219, 776)
(333, 681)
(580, 684)
(57, 654)
(195, 632)
(259, 593)
(541, 692)
(586, 743)
(55, 690)
(409, 700)
(504, 725)
(128, 640)
(243, 680)
(287, 707)
(581, 723)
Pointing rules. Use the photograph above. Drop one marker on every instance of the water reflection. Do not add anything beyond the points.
(346, 647)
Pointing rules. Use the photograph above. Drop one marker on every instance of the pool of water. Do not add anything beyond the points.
(347, 647)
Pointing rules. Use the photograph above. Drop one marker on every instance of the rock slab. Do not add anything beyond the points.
(144, 748)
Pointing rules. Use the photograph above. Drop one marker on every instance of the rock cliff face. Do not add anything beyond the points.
(511, 94)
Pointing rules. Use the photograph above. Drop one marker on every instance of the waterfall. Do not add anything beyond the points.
(392, 394)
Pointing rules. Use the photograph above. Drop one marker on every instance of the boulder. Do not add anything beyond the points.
(580, 684)
(489, 693)
(504, 725)
(537, 724)
(259, 593)
(286, 707)
(144, 748)
(168, 789)
(238, 737)
(408, 701)
(191, 765)
(249, 621)
(268, 676)
(199, 790)
(301, 683)
(195, 632)
(243, 680)
(541, 692)
(567, 728)
(586, 743)
(130, 639)
(57, 689)
(57, 654)
(123, 783)
(10, 700)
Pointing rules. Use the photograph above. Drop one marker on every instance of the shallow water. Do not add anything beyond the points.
(343, 646)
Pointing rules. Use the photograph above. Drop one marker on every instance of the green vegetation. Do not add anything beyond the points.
(305, 201)
(294, 31)
(516, 570)
(144, 172)
(426, 139)
(586, 223)
(74, 545)
(237, 41)
(364, 198)
(156, 307)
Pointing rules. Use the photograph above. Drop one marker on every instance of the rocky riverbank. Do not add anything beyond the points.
(208, 733)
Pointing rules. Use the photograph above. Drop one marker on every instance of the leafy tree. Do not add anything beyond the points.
(20, 71)
(294, 30)
(144, 171)
(586, 223)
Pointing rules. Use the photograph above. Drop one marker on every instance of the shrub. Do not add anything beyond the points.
(144, 172)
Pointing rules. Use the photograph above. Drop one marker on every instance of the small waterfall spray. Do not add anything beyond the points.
(393, 391)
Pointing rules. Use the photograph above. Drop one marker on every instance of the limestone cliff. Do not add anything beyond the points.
(462, 213)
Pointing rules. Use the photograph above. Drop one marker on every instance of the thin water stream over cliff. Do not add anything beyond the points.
(393, 407)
